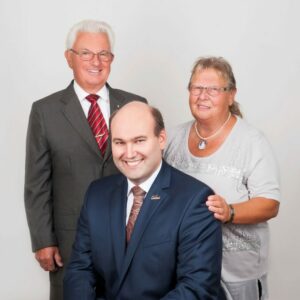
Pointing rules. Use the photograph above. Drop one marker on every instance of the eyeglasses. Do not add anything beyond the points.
(86, 55)
(210, 90)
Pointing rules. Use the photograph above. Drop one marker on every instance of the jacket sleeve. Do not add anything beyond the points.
(199, 253)
(38, 183)
(80, 278)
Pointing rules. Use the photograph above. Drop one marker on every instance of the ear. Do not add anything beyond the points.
(68, 56)
(232, 96)
(162, 138)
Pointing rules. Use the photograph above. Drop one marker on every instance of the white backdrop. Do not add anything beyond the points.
(156, 45)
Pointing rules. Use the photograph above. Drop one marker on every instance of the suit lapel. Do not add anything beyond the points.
(153, 201)
(75, 115)
(117, 221)
(115, 101)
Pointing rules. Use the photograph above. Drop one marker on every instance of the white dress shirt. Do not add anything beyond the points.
(146, 185)
(103, 101)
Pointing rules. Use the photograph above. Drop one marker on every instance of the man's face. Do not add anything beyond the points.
(91, 75)
(137, 152)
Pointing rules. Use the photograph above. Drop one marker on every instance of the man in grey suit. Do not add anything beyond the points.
(62, 154)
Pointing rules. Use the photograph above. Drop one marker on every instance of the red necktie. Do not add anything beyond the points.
(138, 197)
(97, 123)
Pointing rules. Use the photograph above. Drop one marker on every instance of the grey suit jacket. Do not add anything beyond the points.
(62, 159)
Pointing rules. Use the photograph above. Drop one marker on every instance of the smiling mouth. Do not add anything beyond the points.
(94, 72)
(133, 163)
(201, 106)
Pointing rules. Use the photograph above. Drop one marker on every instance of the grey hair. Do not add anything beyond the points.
(223, 67)
(91, 26)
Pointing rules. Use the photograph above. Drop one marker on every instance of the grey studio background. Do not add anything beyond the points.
(156, 45)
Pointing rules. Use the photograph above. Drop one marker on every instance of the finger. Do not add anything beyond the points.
(215, 202)
(213, 209)
(46, 262)
(212, 203)
(58, 259)
(216, 209)
(51, 267)
(48, 265)
(211, 197)
(219, 217)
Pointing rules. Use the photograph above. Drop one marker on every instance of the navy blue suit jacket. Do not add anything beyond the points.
(175, 249)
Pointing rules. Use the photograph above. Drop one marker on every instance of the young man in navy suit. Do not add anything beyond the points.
(172, 249)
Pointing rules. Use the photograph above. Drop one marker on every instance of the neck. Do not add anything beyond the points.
(203, 139)
(209, 127)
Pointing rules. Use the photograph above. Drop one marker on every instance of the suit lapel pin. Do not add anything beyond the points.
(155, 197)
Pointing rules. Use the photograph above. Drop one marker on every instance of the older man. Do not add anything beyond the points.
(145, 234)
(68, 146)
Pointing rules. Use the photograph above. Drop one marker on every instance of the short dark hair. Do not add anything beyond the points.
(158, 120)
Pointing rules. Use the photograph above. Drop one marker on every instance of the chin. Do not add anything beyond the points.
(136, 180)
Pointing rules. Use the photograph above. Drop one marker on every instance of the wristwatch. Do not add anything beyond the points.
(231, 214)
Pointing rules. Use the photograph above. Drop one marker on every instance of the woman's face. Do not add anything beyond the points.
(213, 103)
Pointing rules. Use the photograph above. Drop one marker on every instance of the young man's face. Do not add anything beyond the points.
(137, 151)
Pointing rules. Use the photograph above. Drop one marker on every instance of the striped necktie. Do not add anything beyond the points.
(138, 197)
(97, 123)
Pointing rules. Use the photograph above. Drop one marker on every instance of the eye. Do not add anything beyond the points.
(214, 89)
(104, 53)
(139, 141)
(85, 53)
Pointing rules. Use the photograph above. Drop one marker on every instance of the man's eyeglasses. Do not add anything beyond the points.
(210, 90)
(86, 55)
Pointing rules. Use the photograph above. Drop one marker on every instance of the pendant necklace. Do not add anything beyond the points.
(203, 140)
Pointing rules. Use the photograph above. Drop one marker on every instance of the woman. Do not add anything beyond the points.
(219, 148)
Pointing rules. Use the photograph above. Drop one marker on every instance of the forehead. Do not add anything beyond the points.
(208, 75)
(129, 124)
(92, 40)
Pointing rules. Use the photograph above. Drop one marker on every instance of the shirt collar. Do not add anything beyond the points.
(103, 93)
(146, 185)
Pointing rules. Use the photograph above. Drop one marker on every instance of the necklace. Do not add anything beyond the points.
(203, 140)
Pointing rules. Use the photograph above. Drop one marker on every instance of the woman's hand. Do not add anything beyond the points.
(252, 211)
(219, 207)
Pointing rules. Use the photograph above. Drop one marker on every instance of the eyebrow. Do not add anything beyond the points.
(117, 139)
(133, 139)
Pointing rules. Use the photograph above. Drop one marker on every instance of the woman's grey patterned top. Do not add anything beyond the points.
(243, 167)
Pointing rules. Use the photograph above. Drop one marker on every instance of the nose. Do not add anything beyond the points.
(130, 151)
(96, 60)
(202, 94)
